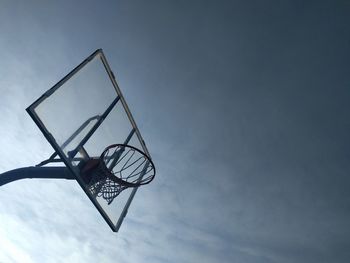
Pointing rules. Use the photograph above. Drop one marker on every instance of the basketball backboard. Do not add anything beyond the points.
(83, 114)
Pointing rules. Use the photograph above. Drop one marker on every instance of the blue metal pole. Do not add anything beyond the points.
(36, 172)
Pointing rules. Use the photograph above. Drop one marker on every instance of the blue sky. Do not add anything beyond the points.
(244, 107)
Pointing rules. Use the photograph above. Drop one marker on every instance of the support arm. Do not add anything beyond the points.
(36, 172)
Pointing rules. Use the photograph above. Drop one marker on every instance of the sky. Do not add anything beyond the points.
(243, 106)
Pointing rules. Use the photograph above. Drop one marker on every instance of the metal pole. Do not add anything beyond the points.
(36, 172)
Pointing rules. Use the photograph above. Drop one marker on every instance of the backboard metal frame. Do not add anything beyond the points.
(57, 148)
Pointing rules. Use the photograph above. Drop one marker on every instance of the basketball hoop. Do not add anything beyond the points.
(119, 167)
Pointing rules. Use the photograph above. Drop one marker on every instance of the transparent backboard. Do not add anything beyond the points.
(80, 116)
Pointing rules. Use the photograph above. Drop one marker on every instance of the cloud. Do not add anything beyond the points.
(10, 251)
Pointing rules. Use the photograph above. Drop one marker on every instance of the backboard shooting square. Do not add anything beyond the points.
(83, 114)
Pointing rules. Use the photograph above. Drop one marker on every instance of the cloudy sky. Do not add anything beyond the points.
(244, 106)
